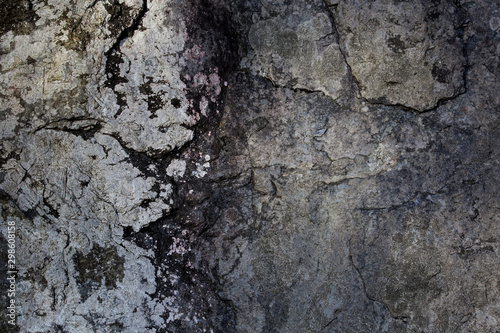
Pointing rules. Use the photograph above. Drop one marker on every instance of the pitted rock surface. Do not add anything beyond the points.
(251, 166)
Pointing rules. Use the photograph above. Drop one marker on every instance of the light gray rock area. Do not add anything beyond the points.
(95, 110)
(250, 166)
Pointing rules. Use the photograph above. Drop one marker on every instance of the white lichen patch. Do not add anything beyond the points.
(74, 145)
(176, 168)
(150, 71)
(201, 169)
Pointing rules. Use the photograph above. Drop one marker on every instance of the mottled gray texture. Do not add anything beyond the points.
(403, 52)
(352, 215)
(253, 166)
(94, 99)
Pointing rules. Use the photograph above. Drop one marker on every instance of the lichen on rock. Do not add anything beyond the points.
(251, 166)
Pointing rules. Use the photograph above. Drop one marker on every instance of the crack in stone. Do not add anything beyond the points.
(92, 5)
(332, 320)
(303, 91)
(129, 31)
(465, 43)
(113, 60)
(341, 50)
(363, 283)
(84, 127)
(440, 102)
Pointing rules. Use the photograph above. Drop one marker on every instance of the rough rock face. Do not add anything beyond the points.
(403, 52)
(99, 98)
(253, 166)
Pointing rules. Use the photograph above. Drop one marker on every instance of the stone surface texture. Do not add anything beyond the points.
(402, 52)
(251, 166)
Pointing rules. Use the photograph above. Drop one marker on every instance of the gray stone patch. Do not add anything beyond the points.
(100, 266)
(403, 53)
(297, 51)
(494, 23)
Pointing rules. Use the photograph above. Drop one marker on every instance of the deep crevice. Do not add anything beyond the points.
(195, 207)
(85, 131)
(129, 31)
(341, 49)
(113, 59)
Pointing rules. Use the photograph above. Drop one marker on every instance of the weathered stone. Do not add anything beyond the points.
(298, 51)
(251, 166)
(94, 94)
(402, 52)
